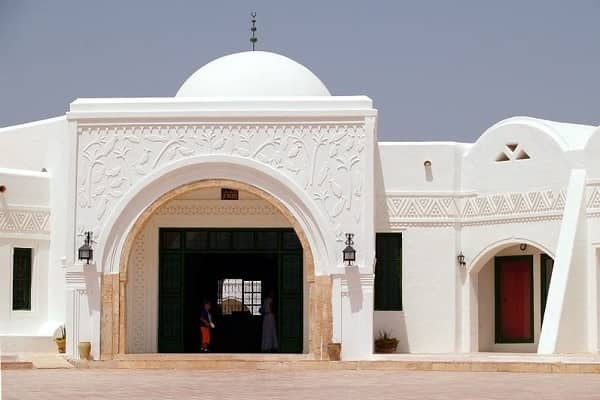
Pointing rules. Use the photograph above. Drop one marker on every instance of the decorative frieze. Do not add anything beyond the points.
(416, 209)
(325, 159)
(204, 208)
(25, 220)
(593, 198)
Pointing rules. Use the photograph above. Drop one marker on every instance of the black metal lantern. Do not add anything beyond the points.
(86, 252)
(461, 259)
(349, 252)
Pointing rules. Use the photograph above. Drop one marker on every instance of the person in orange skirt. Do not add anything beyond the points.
(206, 325)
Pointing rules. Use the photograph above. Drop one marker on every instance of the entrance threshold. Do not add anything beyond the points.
(212, 357)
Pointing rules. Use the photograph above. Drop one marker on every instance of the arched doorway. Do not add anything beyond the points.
(315, 291)
(510, 289)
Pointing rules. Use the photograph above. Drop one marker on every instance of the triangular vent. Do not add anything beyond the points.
(502, 157)
(512, 146)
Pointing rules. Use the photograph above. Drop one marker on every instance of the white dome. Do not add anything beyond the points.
(252, 73)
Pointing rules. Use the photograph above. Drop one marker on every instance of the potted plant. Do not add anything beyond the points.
(60, 339)
(385, 343)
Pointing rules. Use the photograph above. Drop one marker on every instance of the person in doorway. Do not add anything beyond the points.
(206, 325)
(269, 332)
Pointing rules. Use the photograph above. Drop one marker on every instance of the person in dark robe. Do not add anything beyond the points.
(269, 330)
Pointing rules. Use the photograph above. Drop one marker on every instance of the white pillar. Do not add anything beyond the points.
(357, 315)
(80, 281)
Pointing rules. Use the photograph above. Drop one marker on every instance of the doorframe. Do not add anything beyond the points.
(318, 289)
(497, 301)
(279, 251)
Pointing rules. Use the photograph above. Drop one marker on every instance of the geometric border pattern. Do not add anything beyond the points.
(464, 210)
(25, 220)
(210, 207)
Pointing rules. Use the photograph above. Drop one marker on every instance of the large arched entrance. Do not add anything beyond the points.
(314, 291)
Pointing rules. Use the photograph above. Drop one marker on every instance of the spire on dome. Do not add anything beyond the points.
(253, 38)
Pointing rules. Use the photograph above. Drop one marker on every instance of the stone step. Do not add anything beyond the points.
(15, 364)
(414, 365)
(35, 360)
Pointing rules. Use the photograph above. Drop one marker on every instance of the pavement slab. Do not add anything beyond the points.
(301, 384)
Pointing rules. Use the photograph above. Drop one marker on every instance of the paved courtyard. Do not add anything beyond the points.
(329, 385)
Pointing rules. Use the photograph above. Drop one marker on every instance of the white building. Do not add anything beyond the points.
(156, 181)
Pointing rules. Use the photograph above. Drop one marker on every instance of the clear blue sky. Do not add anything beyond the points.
(436, 70)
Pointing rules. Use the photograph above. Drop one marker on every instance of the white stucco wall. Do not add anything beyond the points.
(408, 193)
(401, 166)
(547, 166)
(39, 200)
(429, 286)
(26, 146)
(22, 322)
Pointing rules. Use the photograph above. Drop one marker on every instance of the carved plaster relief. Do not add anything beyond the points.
(326, 160)
(593, 198)
(25, 220)
(449, 210)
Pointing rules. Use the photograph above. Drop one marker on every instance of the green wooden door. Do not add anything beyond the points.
(290, 303)
(170, 309)
(176, 243)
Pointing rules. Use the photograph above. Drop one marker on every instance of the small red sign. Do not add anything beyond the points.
(229, 194)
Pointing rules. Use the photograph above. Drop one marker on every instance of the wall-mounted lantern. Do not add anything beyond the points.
(86, 253)
(349, 252)
(461, 259)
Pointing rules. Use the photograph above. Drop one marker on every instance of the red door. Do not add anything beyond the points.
(514, 299)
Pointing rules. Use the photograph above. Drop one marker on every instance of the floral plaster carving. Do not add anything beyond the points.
(326, 160)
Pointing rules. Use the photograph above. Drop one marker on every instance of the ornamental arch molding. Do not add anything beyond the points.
(127, 221)
(166, 183)
(486, 253)
(473, 292)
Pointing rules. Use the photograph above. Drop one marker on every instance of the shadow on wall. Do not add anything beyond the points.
(394, 324)
(428, 171)
(92, 284)
(354, 288)
(382, 215)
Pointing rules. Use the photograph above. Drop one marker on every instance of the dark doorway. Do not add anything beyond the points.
(234, 269)
(234, 284)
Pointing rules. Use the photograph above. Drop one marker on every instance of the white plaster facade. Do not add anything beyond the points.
(268, 122)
